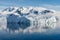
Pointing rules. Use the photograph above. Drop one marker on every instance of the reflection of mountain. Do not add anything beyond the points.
(16, 27)
(25, 23)
(35, 18)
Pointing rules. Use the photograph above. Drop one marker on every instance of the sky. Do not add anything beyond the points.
(45, 3)
(28, 2)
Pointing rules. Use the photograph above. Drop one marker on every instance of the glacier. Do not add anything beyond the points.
(28, 19)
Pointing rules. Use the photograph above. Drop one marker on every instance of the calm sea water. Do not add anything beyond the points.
(48, 35)
(34, 36)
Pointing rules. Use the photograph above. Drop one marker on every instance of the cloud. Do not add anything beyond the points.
(55, 7)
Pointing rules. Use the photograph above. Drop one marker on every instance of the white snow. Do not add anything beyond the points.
(38, 22)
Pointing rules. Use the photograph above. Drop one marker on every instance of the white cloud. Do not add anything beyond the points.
(55, 7)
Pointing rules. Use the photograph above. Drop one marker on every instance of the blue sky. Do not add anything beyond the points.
(28, 2)
(7, 3)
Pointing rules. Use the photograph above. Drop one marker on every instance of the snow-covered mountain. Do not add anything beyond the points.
(26, 10)
(31, 19)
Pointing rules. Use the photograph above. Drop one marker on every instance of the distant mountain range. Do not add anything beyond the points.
(29, 17)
